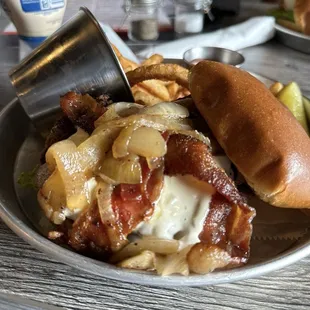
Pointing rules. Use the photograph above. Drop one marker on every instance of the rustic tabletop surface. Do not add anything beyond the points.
(28, 274)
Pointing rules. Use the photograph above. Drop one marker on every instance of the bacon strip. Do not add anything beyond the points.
(88, 234)
(229, 227)
(187, 155)
(131, 204)
(82, 110)
(228, 224)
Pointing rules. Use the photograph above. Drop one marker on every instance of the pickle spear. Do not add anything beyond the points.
(306, 103)
(291, 96)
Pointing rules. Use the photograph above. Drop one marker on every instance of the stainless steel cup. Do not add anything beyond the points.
(77, 57)
(223, 55)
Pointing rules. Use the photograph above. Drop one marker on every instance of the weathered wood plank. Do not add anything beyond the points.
(30, 274)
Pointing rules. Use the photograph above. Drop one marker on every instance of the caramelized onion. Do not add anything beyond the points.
(79, 137)
(117, 110)
(154, 162)
(52, 198)
(123, 170)
(149, 243)
(68, 161)
(106, 179)
(143, 141)
(120, 145)
(156, 122)
(109, 114)
(124, 109)
(166, 109)
(143, 261)
(76, 164)
(108, 218)
(147, 142)
(93, 150)
(203, 258)
(175, 263)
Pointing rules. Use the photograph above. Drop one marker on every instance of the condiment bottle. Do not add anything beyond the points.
(143, 19)
(189, 15)
(35, 19)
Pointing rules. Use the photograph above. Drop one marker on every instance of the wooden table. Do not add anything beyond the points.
(29, 274)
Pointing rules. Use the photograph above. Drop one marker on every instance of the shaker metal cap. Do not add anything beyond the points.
(205, 3)
(189, 1)
(144, 2)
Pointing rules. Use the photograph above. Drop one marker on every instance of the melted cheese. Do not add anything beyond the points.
(180, 211)
(182, 208)
(91, 194)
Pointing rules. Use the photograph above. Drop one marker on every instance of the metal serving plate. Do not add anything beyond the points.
(21, 145)
(293, 39)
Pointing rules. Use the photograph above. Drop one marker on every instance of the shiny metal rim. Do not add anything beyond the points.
(109, 271)
(292, 32)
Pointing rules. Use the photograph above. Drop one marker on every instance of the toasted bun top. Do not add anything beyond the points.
(302, 15)
(259, 134)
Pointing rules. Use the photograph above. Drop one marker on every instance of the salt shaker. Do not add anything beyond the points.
(189, 15)
(143, 19)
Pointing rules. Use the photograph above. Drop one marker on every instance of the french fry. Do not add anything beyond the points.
(173, 89)
(157, 89)
(153, 60)
(166, 83)
(127, 64)
(152, 91)
(146, 98)
(116, 50)
(276, 87)
(167, 72)
(183, 92)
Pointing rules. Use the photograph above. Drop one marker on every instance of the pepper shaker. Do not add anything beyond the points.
(143, 19)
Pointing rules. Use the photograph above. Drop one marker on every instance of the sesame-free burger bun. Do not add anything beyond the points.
(257, 132)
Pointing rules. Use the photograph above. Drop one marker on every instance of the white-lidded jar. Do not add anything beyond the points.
(35, 20)
(189, 15)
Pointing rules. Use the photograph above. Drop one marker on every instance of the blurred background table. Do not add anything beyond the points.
(29, 274)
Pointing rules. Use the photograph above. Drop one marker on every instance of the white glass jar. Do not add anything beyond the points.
(143, 19)
(189, 15)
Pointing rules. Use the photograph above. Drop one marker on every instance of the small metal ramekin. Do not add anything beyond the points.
(223, 55)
